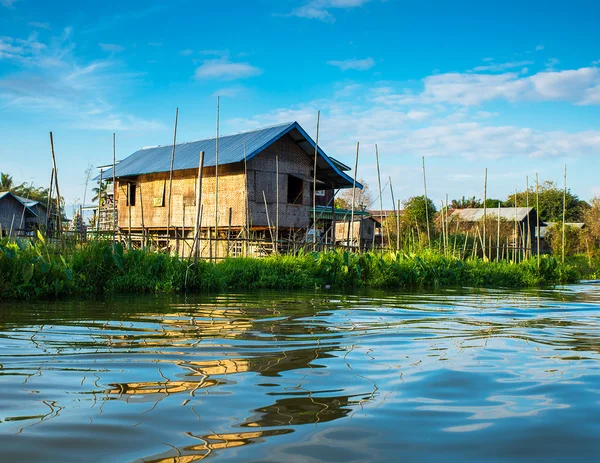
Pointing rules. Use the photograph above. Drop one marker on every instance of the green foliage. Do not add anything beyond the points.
(417, 209)
(551, 203)
(37, 270)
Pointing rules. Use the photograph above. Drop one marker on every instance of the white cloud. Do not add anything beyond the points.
(551, 64)
(21, 50)
(354, 64)
(539, 48)
(8, 3)
(226, 70)
(596, 63)
(186, 52)
(321, 9)
(111, 47)
(579, 86)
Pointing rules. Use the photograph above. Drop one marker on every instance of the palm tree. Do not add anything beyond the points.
(100, 193)
(7, 183)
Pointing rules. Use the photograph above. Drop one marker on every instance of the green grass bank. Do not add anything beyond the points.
(32, 270)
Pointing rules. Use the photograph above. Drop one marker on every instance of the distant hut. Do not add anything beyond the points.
(20, 215)
(362, 235)
(142, 186)
(518, 224)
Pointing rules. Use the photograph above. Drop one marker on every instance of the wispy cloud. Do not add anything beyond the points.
(502, 66)
(354, 64)
(230, 92)
(111, 47)
(49, 78)
(226, 70)
(539, 48)
(39, 25)
(8, 3)
(322, 9)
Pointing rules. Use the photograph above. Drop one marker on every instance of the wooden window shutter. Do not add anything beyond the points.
(158, 199)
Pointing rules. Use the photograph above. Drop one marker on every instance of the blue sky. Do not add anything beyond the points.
(512, 86)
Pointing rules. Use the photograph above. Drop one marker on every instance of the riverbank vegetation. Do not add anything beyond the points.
(36, 269)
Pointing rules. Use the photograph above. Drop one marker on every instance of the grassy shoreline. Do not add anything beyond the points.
(31, 270)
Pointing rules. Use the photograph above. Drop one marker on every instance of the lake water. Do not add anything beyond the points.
(451, 375)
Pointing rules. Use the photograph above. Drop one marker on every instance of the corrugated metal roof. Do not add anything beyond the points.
(506, 213)
(231, 150)
(23, 201)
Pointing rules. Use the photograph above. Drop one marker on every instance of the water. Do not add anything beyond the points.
(449, 376)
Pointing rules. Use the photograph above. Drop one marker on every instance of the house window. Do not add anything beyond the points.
(131, 194)
(295, 190)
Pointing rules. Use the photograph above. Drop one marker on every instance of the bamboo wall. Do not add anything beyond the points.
(152, 193)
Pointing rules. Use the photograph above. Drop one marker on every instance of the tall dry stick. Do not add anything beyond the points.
(351, 227)
(247, 202)
(114, 208)
(537, 213)
(484, 212)
(58, 214)
(564, 214)
(171, 174)
(380, 193)
(528, 226)
(426, 204)
(314, 198)
(498, 235)
(277, 203)
(49, 200)
(217, 178)
(395, 214)
(198, 206)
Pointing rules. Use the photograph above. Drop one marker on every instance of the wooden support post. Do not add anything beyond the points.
(426, 204)
(515, 254)
(171, 175)
(129, 212)
(351, 227)
(58, 214)
(528, 240)
(268, 220)
(314, 198)
(398, 225)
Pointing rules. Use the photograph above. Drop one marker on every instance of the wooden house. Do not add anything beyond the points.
(265, 182)
(19, 215)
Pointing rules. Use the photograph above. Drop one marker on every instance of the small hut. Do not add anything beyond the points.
(19, 216)
(265, 183)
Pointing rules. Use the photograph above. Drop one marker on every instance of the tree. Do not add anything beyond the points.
(100, 193)
(465, 203)
(362, 198)
(7, 183)
(551, 203)
(417, 209)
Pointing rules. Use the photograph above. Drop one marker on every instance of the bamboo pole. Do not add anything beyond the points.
(247, 201)
(314, 198)
(229, 231)
(99, 204)
(398, 225)
(129, 212)
(49, 199)
(447, 223)
(443, 228)
(12, 222)
(59, 218)
(426, 204)
(515, 232)
(333, 237)
(351, 227)
(380, 194)
(537, 213)
(142, 218)
(171, 174)
(484, 212)
(528, 241)
(564, 214)
(114, 208)
(498, 236)
(395, 213)
(268, 221)
(198, 206)
(276, 203)
(217, 179)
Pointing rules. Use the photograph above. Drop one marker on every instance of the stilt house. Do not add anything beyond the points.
(265, 180)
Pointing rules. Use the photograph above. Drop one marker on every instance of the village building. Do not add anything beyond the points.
(20, 216)
(265, 185)
(517, 225)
